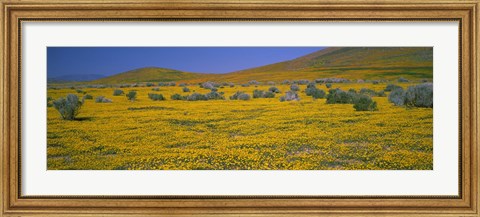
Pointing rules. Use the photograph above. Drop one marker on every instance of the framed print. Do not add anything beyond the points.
(254, 108)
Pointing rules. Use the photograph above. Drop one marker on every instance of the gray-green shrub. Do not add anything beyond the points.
(178, 97)
(196, 97)
(215, 95)
(317, 94)
(185, 89)
(402, 80)
(290, 96)
(338, 96)
(243, 96)
(328, 85)
(274, 90)
(117, 92)
(87, 96)
(397, 97)
(156, 97)
(364, 103)
(294, 87)
(420, 95)
(391, 87)
(132, 95)
(102, 99)
(68, 107)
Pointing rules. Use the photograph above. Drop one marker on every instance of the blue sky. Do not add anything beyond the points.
(112, 60)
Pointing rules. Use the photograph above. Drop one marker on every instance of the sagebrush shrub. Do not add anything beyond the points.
(318, 94)
(364, 103)
(214, 95)
(274, 90)
(253, 82)
(80, 91)
(196, 97)
(149, 84)
(68, 107)
(338, 96)
(185, 89)
(419, 96)
(257, 93)
(311, 85)
(178, 97)
(240, 96)
(243, 96)
(117, 92)
(87, 96)
(391, 87)
(328, 85)
(397, 96)
(156, 97)
(102, 99)
(132, 95)
(290, 96)
(49, 99)
(294, 87)
(402, 80)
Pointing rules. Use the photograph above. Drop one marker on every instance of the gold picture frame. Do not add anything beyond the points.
(15, 12)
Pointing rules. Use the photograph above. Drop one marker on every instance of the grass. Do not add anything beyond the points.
(259, 134)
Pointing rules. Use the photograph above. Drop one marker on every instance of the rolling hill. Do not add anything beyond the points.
(372, 63)
(149, 74)
(349, 63)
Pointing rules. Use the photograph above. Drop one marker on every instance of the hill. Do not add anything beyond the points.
(149, 74)
(347, 62)
(373, 63)
(74, 78)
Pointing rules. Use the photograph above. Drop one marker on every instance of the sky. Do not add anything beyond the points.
(107, 61)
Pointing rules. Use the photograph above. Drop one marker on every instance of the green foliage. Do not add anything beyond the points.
(274, 90)
(317, 94)
(328, 85)
(214, 95)
(80, 91)
(150, 84)
(68, 107)
(294, 87)
(132, 95)
(178, 97)
(196, 97)
(88, 96)
(102, 99)
(185, 89)
(118, 92)
(49, 99)
(243, 96)
(156, 97)
(372, 93)
(364, 103)
(338, 96)
(391, 87)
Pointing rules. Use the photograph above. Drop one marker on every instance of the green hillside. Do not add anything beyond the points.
(349, 63)
(371, 63)
(149, 74)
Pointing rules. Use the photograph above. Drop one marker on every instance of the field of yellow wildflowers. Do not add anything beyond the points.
(258, 134)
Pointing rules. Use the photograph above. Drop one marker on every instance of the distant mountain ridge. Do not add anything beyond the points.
(341, 62)
(149, 74)
(74, 78)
